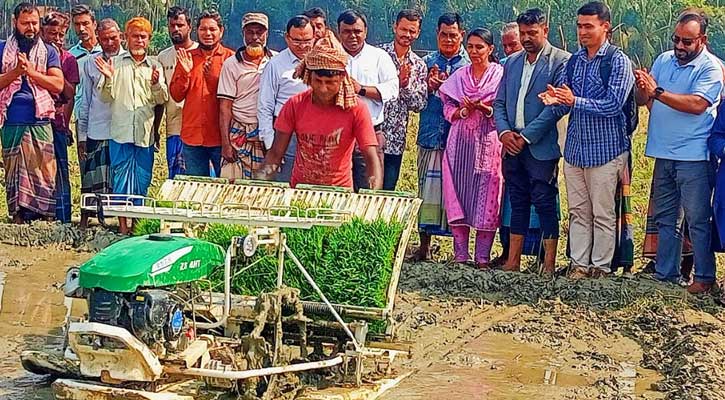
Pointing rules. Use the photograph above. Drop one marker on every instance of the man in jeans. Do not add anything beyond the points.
(682, 92)
(597, 145)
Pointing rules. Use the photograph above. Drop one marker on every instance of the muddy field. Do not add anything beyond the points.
(475, 335)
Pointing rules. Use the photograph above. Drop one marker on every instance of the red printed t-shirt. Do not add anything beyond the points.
(326, 136)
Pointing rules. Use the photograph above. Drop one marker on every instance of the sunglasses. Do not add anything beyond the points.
(685, 41)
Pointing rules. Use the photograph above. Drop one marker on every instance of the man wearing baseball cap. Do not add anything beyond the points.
(238, 92)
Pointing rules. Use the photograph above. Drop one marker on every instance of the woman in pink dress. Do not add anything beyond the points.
(472, 177)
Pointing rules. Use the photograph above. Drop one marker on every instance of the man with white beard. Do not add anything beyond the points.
(242, 148)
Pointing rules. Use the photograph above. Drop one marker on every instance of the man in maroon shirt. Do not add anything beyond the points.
(55, 26)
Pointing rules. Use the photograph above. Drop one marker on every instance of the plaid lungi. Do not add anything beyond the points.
(96, 167)
(30, 168)
(244, 138)
(432, 217)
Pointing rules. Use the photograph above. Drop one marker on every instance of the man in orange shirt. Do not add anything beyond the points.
(195, 81)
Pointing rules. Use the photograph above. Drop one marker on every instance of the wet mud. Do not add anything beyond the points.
(474, 335)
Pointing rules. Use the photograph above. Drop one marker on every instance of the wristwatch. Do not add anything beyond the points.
(658, 92)
(362, 92)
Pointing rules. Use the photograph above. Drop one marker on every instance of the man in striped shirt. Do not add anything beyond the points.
(598, 143)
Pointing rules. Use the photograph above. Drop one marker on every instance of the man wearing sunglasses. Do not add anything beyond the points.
(682, 92)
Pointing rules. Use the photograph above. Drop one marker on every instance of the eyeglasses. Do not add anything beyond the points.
(685, 41)
(303, 42)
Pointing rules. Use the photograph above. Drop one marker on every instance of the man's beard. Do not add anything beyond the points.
(177, 39)
(255, 51)
(138, 52)
(24, 41)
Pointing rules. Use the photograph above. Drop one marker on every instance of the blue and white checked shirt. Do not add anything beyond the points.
(597, 131)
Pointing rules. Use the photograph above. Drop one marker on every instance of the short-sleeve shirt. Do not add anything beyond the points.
(675, 135)
(326, 136)
(239, 82)
(69, 66)
(22, 107)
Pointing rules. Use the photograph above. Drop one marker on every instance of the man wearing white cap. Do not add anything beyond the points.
(242, 147)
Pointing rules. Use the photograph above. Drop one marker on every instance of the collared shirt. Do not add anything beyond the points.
(200, 117)
(71, 74)
(80, 52)
(526, 75)
(239, 82)
(433, 131)
(167, 58)
(597, 131)
(412, 98)
(90, 104)
(82, 55)
(275, 88)
(373, 66)
(133, 98)
(676, 135)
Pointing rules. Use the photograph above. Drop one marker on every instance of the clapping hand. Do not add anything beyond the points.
(434, 79)
(105, 67)
(22, 66)
(645, 82)
(207, 66)
(404, 75)
(154, 75)
(183, 58)
(557, 96)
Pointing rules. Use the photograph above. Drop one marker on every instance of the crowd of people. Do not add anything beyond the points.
(332, 109)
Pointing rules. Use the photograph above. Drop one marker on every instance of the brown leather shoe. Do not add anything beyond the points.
(699, 287)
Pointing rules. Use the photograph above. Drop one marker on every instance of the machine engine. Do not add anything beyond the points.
(152, 315)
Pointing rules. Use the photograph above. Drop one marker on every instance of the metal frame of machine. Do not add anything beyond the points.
(265, 208)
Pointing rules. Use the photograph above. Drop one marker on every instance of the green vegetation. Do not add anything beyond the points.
(643, 26)
(352, 264)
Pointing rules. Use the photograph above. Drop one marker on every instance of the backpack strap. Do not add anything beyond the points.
(605, 66)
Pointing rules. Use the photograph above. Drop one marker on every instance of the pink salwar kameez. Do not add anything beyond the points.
(472, 177)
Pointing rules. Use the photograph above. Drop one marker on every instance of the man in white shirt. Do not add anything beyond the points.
(94, 117)
(278, 84)
(375, 78)
(179, 25)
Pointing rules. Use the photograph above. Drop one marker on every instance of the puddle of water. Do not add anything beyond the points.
(31, 316)
(497, 367)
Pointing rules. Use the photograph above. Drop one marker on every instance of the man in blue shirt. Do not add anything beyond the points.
(433, 131)
(30, 74)
(682, 93)
(597, 145)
